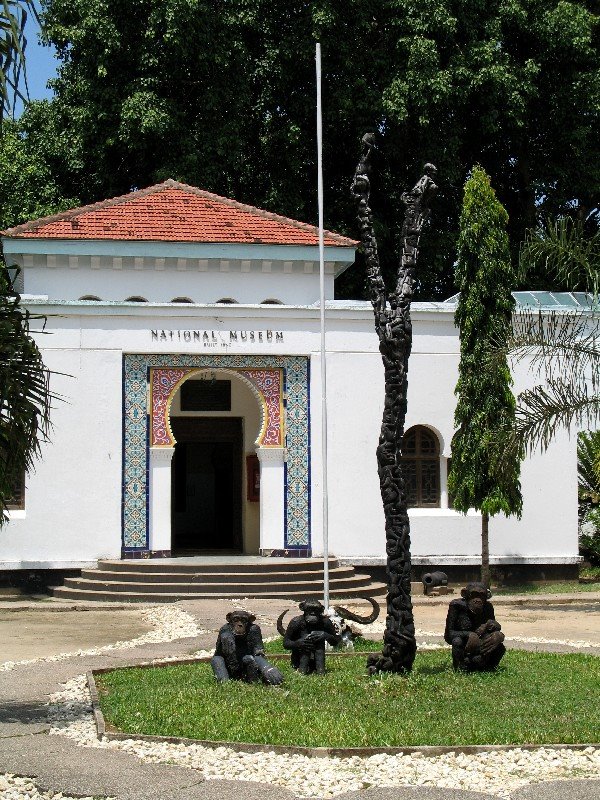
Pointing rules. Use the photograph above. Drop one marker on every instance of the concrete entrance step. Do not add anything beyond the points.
(222, 577)
(209, 564)
(377, 590)
(169, 580)
(263, 589)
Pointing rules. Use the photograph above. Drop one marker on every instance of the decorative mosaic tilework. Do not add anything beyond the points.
(267, 384)
(162, 383)
(294, 372)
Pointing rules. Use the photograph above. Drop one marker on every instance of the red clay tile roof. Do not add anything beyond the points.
(175, 212)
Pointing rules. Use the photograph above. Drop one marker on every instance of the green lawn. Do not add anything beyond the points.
(535, 698)
(564, 587)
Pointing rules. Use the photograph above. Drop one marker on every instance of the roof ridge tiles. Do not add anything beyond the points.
(30, 227)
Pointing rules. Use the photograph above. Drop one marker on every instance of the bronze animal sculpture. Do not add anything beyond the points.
(307, 634)
(472, 630)
(240, 654)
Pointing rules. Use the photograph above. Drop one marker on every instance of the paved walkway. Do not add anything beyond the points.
(58, 764)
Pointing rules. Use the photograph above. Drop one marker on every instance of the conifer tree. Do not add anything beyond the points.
(485, 404)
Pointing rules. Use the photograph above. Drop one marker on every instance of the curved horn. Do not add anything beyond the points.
(280, 628)
(345, 614)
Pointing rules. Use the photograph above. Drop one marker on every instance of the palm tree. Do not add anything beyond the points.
(565, 249)
(588, 467)
(13, 16)
(25, 396)
(563, 348)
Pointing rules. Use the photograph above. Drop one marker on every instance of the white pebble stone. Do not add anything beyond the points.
(495, 772)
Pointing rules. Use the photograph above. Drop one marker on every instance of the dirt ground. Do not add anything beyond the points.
(579, 621)
(36, 633)
(574, 621)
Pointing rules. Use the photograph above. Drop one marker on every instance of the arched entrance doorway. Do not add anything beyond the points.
(282, 385)
(215, 418)
(206, 485)
(206, 459)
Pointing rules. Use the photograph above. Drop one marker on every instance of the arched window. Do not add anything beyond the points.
(421, 467)
(135, 299)
(181, 300)
(271, 301)
(90, 297)
(228, 300)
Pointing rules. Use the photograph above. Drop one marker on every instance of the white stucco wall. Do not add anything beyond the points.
(162, 272)
(73, 501)
(547, 531)
(164, 286)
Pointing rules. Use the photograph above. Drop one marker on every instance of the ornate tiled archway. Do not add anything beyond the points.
(267, 385)
(282, 384)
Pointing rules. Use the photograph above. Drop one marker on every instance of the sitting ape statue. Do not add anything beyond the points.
(306, 636)
(240, 654)
(473, 632)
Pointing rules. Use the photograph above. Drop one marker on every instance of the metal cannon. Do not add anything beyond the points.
(435, 582)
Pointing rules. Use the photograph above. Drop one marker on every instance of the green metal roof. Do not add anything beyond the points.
(573, 301)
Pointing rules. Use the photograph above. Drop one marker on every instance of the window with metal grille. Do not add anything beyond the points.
(421, 467)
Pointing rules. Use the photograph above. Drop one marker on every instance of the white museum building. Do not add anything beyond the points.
(183, 336)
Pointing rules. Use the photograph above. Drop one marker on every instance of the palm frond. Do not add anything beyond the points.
(558, 344)
(561, 403)
(13, 43)
(562, 348)
(25, 396)
(562, 249)
(588, 464)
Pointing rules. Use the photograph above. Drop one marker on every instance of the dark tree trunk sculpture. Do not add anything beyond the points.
(394, 329)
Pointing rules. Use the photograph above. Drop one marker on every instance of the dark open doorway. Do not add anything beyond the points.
(206, 473)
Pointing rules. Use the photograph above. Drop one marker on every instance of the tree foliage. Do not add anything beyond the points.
(28, 188)
(478, 478)
(221, 95)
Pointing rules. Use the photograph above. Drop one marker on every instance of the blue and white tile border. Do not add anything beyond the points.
(136, 370)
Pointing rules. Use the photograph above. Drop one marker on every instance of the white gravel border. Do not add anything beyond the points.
(14, 787)
(498, 772)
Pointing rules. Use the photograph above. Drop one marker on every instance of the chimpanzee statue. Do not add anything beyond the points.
(472, 630)
(306, 635)
(240, 654)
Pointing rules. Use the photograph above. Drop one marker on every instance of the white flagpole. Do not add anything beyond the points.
(323, 365)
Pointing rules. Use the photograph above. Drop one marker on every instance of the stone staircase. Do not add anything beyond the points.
(167, 580)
